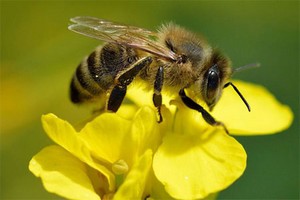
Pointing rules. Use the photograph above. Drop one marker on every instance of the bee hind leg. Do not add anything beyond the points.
(157, 98)
(123, 79)
(116, 97)
(193, 105)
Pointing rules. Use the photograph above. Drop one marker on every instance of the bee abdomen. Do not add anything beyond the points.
(83, 86)
(77, 93)
(96, 74)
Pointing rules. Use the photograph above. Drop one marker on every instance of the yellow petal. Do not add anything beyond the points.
(105, 136)
(196, 165)
(110, 137)
(65, 135)
(63, 174)
(141, 94)
(267, 114)
(134, 184)
(138, 95)
(144, 131)
(127, 111)
(156, 189)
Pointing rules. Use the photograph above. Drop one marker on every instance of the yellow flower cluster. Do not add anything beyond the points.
(128, 155)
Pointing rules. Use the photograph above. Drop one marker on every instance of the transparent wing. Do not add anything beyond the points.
(121, 34)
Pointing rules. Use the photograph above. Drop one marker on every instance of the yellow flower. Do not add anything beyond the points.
(129, 155)
(87, 164)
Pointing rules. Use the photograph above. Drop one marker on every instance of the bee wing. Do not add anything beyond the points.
(121, 34)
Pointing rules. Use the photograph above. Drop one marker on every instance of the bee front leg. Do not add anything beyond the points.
(123, 79)
(193, 105)
(157, 98)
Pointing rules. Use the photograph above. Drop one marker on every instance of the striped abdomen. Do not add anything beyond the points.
(96, 74)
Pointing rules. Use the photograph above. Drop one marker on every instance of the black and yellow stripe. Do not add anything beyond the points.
(96, 74)
(83, 86)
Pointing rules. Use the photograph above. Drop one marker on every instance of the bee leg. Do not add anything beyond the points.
(116, 97)
(193, 105)
(157, 98)
(123, 79)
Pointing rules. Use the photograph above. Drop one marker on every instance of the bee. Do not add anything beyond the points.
(172, 59)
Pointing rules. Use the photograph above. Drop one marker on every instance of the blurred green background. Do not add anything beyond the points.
(39, 55)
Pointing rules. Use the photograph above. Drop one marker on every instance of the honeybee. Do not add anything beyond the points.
(172, 59)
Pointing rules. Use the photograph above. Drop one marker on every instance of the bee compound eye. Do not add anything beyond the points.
(212, 80)
(212, 84)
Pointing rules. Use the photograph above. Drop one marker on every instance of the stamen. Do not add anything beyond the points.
(120, 167)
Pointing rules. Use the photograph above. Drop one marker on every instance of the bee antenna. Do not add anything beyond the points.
(245, 67)
(240, 94)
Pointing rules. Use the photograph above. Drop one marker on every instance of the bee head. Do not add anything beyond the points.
(218, 71)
